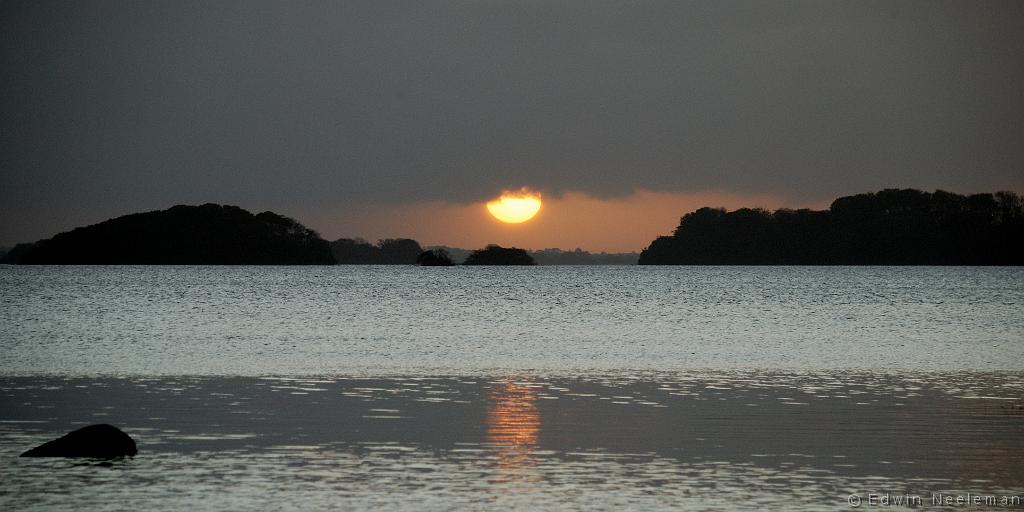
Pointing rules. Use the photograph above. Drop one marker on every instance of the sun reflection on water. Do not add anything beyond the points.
(513, 427)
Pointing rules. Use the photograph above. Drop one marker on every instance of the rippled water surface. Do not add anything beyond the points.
(303, 320)
(403, 388)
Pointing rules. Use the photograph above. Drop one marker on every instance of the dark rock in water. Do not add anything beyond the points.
(95, 441)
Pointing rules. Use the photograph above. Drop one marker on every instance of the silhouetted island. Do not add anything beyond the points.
(389, 251)
(210, 234)
(434, 258)
(891, 227)
(497, 255)
(554, 256)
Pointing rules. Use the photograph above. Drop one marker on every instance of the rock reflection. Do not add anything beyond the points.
(513, 428)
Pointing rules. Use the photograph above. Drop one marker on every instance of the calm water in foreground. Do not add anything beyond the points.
(721, 388)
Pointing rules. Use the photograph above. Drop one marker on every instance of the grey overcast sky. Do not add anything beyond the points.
(319, 110)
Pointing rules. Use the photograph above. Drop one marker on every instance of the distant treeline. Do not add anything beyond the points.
(891, 227)
(213, 234)
(490, 255)
(404, 251)
(390, 251)
(581, 257)
(557, 256)
(210, 234)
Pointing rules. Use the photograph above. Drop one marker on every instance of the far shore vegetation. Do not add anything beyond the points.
(890, 227)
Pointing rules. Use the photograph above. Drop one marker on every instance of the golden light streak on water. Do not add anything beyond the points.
(513, 428)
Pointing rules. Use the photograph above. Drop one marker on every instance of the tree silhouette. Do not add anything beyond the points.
(890, 227)
(389, 251)
(399, 251)
(497, 255)
(210, 234)
(434, 258)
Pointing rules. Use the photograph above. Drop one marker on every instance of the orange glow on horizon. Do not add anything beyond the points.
(615, 224)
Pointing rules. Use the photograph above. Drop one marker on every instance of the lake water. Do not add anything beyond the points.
(712, 388)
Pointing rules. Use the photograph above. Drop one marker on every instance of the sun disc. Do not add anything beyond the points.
(514, 207)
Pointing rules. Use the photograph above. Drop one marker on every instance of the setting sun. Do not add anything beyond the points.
(514, 207)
